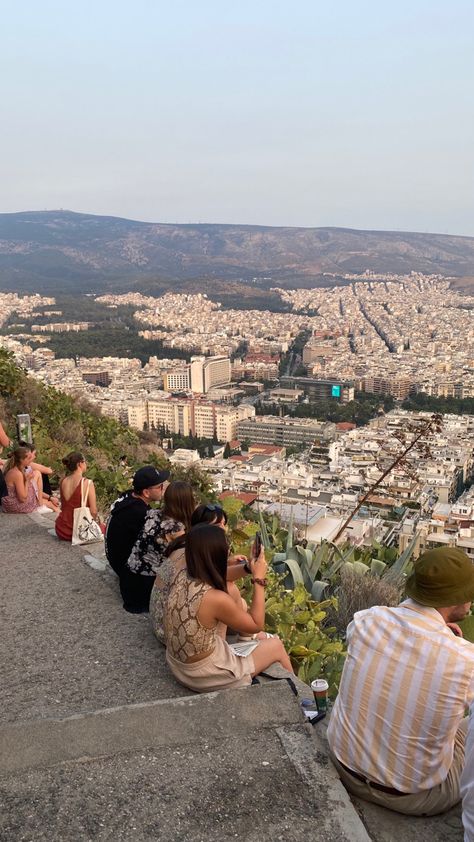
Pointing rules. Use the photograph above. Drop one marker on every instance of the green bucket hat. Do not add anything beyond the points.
(442, 577)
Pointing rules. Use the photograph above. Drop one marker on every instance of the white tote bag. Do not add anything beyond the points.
(85, 530)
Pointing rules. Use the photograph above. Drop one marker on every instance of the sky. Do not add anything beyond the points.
(352, 114)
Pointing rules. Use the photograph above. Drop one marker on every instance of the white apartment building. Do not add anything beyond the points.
(174, 415)
(208, 372)
(187, 416)
(137, 415)
(227, 419)
(177, 380)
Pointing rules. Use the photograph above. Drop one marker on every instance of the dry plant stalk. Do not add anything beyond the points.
(358, 591)
(412, 439)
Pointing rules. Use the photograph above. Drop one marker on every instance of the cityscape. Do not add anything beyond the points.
(237, 422)
(246, 374)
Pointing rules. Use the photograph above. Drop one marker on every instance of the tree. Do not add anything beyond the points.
(12, 378)
(227, 450)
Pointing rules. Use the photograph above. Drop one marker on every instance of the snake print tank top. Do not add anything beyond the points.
(185, 636)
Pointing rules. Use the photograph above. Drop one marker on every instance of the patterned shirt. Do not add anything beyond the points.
(148, 552)
(405, 687)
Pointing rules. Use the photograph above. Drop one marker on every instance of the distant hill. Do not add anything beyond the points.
(60, 250)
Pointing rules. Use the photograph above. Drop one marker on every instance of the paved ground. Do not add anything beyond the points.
(97, 741)
(66, 644)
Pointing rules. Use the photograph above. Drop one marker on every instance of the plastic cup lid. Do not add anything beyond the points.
(319, 684)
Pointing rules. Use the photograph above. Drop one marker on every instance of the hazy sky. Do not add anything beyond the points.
(348, 113)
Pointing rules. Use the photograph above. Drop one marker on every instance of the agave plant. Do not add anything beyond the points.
(316, 565)
(312, 566)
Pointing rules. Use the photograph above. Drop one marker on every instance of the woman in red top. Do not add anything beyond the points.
(70, 490)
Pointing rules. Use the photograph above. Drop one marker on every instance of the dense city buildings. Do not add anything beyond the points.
(201, 375)
(320, 390)
(288, 432)
(384, 335)
(188, 416)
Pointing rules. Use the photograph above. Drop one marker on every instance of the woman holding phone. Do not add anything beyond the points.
(199, 608)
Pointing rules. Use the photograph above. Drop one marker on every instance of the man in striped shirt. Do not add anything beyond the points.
(397, 731)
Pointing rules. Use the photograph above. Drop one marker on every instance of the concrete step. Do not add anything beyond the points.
(167, 722)
(211, 768)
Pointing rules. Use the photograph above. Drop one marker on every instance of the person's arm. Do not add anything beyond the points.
(218, 606)
(170, 536)
(41, 468)
(91, 499)
(4, 440)
(237, 559)
(236, 571)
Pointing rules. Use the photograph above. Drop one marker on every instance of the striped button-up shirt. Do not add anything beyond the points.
(405, 687)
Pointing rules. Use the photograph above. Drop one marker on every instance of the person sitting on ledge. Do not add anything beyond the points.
(198, 610)
(237, 567)
(397, 732)
(161, 526)
(70, 489)
(4, 442)
(44, 470)
(24, 485)
(128, 513)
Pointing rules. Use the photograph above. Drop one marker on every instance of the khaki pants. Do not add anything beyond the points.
(429, 802)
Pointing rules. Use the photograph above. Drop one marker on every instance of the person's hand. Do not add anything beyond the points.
(237, 559)
(259, 565)
(457, 630)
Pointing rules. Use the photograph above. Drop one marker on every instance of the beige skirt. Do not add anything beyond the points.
(221, 669)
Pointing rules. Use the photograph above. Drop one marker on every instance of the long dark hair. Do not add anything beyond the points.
(179, 502)
(206, 555)
(205, 513)
(208, 513)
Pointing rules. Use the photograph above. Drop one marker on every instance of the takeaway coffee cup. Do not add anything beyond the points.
(320, 689)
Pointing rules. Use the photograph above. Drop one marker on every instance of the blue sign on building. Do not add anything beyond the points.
(336, 392)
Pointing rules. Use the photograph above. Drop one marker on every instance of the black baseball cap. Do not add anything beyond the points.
(148, 476)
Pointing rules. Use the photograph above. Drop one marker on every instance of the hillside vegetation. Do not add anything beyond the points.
(62, 423)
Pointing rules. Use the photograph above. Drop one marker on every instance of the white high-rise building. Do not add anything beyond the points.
(208, 372)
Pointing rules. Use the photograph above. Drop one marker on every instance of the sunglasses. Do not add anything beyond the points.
(212, 507)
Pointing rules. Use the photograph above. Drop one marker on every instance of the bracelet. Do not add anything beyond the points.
(262, 582)
(247, 568)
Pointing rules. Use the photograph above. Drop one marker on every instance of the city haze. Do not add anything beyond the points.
(267, 114)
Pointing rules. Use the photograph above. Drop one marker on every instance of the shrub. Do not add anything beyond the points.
(298, 620)
(356, 592)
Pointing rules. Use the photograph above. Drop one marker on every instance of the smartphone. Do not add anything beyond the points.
(257, 544)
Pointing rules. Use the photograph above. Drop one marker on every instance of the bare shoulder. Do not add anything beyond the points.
(216, 599)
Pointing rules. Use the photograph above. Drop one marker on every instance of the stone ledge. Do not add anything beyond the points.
(168, 722)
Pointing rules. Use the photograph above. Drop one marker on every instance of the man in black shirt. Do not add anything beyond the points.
(127, 514)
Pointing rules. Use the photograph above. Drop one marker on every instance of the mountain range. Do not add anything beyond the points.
(52, 251)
